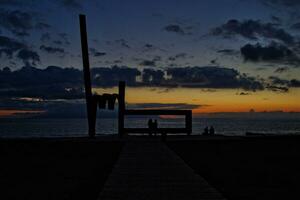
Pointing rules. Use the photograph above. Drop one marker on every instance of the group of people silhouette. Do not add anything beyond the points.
(209, 131)
(152, 125)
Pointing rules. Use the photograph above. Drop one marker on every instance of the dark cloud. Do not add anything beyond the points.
(45, 37)
(7, 42)
(227, 51)
(9, 2)
(252, 29)
(295, 83)
(119, 43)
(296, 26)
(16, 2)
(277, 88)
(58, 42)
(175, 29)
(281, 85)
(28, 56)
(148, 63)
(244, 93)
(122, 43)
(96, 53)
(276, 19)
(18, 22)
(64, 37)
(45, 92)
(42, 26)
(281, 69)
(8, 45)
(203, 77)
(277, 81)
(288, 3)
(6, 52)
(157, 58)
(153, 77)
(11, 46)
(272, 52)
(71, 3)
(287, 83)
(150, 47)
(67, 83)
(117, 61)
(52, 50)
(108, 77)
(171, 58)
(52, 82)
(214, 61)
(182, 26)
(212, 77)
(178, 56)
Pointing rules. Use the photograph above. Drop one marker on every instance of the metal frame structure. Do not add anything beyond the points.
(93, 101)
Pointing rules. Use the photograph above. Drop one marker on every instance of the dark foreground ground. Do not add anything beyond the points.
(242, 169)
(55, 169)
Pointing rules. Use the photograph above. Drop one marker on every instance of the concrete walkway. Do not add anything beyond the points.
(148, 169)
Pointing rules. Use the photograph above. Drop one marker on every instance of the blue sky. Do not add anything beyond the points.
(142, 22)
(254, 44)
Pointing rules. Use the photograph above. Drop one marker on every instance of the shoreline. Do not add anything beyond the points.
(116, 137)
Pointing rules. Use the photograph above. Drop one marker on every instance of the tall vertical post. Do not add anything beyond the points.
(87, 76)
(188, 122)
(121, 114)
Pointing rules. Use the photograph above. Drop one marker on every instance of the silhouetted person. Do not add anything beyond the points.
(150, 127)
(155, 125)
(205, 131)
(211, 130)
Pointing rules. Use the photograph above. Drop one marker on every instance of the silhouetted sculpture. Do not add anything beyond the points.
(100, 101)
(205, 131)
(93, 101)
(211, 130)
(87, 76)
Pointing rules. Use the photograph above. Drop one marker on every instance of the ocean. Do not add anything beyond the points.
(225, 124)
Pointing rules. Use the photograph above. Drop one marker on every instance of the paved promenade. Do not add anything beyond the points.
(148, 169)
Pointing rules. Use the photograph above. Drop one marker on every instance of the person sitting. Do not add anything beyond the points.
(205, 131)
(155, 125)
(211, 130)
(150, 127)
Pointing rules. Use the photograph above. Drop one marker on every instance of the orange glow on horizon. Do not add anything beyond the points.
(8, 113)
(212, 101)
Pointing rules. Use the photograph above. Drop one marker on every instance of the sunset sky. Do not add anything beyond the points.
(209, 56)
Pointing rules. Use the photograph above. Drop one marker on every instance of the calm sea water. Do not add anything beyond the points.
(223, 124)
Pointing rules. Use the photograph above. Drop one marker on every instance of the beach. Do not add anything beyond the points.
(254, 167)
(245, 167)
(55, 168)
